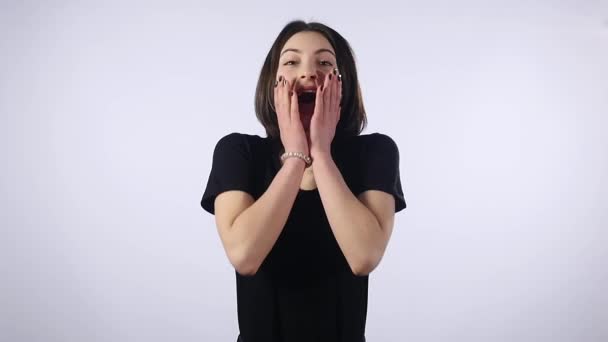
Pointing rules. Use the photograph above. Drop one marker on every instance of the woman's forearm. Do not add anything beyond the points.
(257, 228)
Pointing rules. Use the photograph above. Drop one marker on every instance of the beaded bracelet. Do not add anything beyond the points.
(300, 155)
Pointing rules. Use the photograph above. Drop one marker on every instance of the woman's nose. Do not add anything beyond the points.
(316, 74)
(308, 74)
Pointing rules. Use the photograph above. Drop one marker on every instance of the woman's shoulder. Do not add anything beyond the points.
(238, 136)
(375, 137)
(371, 140)
(241, 139)
(247, 145)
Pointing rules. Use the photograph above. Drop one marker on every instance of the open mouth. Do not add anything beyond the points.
(306, 105)
(307, 97)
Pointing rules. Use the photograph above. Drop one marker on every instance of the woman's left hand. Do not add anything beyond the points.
(326, 114)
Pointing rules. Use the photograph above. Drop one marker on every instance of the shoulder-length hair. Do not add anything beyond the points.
(352, 116)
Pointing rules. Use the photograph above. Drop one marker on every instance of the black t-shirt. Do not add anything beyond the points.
(304, 290)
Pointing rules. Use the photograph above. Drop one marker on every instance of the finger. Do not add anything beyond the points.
(319, 94)
(319, 99)
(340, 86)
(286, 98)
(295, 85)
(289, 91)
(336, 103)
(334, 91)
(295, 106)
(327, 93)
(292, 86)
(277, 95)
(339, 96)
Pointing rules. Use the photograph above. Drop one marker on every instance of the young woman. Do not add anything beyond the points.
(305, 214)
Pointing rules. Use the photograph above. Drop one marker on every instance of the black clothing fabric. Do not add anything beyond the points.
(304, 290)
(240, 339)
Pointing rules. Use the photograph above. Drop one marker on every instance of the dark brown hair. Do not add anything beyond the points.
(352, 117)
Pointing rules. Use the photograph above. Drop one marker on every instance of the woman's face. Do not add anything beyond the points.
(306, 57)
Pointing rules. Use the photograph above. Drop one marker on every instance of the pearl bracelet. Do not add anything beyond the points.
(300, 155)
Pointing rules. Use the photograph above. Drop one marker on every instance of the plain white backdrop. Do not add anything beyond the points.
(109, 113)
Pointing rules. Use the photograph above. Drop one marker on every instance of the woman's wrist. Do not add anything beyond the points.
(294, 163)
(299, 155)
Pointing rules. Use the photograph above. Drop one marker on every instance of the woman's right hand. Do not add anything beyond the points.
(288, 117)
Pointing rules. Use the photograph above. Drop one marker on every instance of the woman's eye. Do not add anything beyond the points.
(327, 63)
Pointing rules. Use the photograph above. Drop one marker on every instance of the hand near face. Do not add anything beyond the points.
(326, 114)
(288, 116)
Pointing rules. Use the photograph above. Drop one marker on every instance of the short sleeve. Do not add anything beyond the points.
(231, 169)
(379, 169)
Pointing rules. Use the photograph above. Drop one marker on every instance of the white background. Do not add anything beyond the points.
(110, 113)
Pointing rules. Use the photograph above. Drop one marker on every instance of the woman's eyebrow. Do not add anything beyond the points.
(316, 52)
